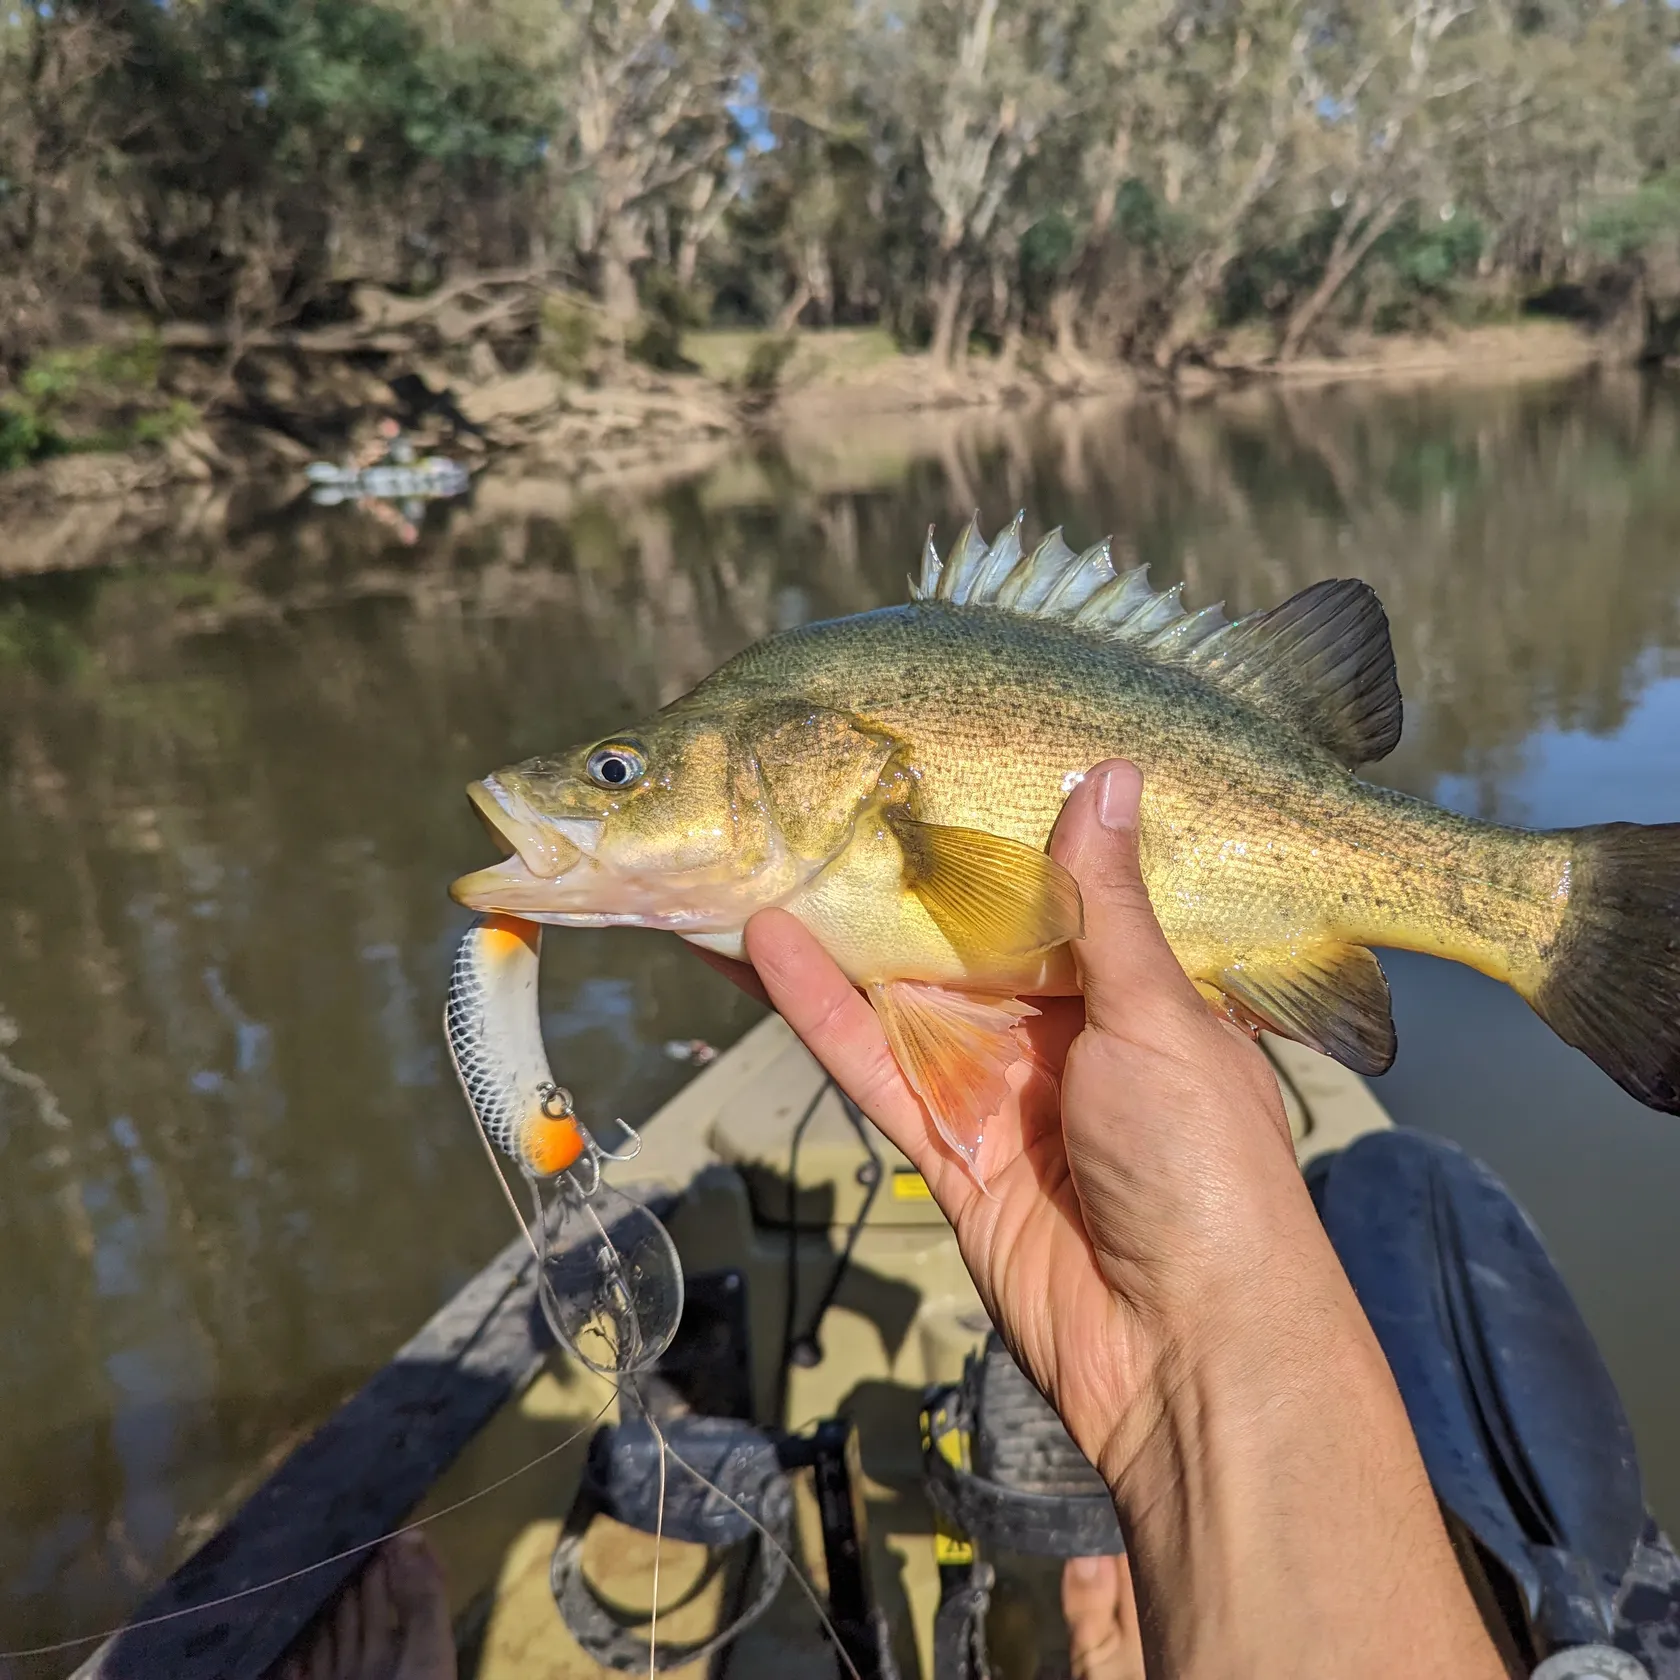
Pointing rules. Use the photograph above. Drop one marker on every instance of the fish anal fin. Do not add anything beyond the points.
(1228, 1009)
(956, 1049)
(1332, 997)
(988, 895)
(1322, 661)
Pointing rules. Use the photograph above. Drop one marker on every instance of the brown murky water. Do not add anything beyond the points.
(234, 1170)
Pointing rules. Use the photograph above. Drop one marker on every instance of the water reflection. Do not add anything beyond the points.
(236, 1171)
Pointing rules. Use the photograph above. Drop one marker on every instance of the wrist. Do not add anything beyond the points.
(1274, 1501)
(1234, 1356)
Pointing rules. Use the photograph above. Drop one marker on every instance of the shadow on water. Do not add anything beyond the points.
(231, 760)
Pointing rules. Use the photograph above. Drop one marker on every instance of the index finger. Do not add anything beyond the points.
(1133, 984)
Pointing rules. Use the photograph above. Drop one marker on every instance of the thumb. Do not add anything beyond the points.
(1133, 984)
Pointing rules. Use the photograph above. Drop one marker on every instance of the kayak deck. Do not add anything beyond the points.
(761, 1176)
(905, 1316)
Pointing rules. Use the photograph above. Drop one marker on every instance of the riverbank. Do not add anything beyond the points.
(846, 389)
(296, 396)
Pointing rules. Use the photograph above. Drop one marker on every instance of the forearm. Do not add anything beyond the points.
(1278, 1515)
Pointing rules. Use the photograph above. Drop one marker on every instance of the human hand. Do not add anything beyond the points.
(1100, 1609)
(1128, 1212)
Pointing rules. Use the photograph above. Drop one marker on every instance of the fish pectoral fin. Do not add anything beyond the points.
(956, 1050)
(989, 896)
(1332, 997)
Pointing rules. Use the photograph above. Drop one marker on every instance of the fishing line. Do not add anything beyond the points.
(607, 1271)
(311, 1568)
(624, 1381)
(658, 1531)
(620, 1381)
(543, 1457)
(775, 1545)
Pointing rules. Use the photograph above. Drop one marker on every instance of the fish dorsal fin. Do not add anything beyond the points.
(1333, 997)
(1321, 662)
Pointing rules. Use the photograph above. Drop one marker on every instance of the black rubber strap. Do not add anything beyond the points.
(622, 1480)
(959, 1628)
(615, 1646)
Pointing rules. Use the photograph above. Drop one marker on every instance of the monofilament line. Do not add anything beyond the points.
(310, 1568)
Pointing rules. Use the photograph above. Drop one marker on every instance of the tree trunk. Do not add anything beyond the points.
(619, 302)
(1064, 322)
(1010, 352)
(688, 257)
(947, 305)
(1346, 254)
(787, 317)
(819, 277)
(1189, 309)
(961, 333)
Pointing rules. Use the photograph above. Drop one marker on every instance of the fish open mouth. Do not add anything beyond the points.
(541, 849)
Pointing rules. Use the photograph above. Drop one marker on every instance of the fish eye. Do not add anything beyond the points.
(616, 765)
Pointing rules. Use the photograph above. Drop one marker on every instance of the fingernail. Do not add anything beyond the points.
(1086, 1568)
(1118, 796)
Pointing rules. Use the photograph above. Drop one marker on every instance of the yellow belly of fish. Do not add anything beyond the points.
(877, 929)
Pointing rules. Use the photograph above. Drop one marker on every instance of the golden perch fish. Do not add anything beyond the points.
(892, 779)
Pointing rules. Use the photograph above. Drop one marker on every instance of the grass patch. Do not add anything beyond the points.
(736, 356)
(96, 399)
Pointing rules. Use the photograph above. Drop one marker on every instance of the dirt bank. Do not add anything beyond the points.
(646, 425)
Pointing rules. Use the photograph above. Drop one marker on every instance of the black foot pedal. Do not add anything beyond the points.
(1002, 1470)
(621, 1480)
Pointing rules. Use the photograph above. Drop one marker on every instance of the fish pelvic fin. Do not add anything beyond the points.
(1322, 662)
(988, 895)
(1611, 983)
(1332, 997)
(956, 1050)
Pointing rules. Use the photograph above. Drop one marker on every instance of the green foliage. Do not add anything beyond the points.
(60, 377)
(570, 334)
(23, 438)
(1629, 226)
(767, 363)
(361, 80)
(664, 296)
(1429, 254)
(669, 309)
(1142, 218)
(155, 426)
(1163, 169)
(1048, 244)
(659, 345)
(96, 397)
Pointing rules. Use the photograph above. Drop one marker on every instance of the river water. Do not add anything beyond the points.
(234, 1169)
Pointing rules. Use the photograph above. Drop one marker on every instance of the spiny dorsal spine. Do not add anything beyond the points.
(1322, 660)
(1052, 581)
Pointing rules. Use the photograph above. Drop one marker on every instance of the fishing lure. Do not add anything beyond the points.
(608, 1275)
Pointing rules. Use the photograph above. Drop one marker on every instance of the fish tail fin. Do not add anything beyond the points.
(1611, 986)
